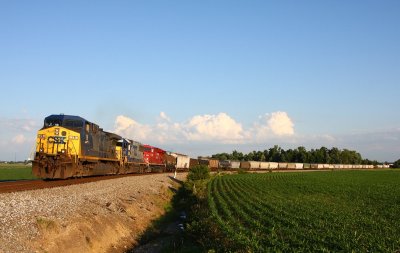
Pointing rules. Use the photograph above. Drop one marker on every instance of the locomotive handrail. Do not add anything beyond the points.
(74, 149)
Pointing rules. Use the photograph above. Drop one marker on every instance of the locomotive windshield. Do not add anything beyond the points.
(73, 123)
(69, 123)
(52, 122)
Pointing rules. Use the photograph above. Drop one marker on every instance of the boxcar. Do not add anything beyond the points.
(213, 164)
(193, 162)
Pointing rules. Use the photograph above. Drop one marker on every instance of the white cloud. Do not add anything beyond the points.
(281, 124)
(27, 125)
(30, 125)
(164, 116)
(19, 139)
(219, 127)
(128, 127)
(17, 136)
(274, 125)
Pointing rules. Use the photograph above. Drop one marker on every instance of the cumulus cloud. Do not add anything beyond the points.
(19, 139)
(281, 124)
(274, 125)
(130, 128)
(25, 125)
(219, 128)
(163, 116)
(17, 135)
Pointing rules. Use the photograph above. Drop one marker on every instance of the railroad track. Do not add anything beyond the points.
(27, 185)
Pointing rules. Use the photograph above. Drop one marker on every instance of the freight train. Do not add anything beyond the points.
(70, 146)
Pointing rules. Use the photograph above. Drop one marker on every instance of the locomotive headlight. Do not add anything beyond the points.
(41, 150)
(63, 151)
(57, 131)
(41, 136)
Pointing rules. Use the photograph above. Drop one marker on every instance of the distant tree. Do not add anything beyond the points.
(289, 155)
(301, 155)
(266, 155)
(334, 154)
(237, 155)
(220, 156)
(275, 154)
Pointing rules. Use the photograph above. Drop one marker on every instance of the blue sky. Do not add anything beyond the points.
(207, 76)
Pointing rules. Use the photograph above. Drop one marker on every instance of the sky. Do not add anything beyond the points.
(204, 77)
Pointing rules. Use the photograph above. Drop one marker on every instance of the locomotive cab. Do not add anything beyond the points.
(57, 147)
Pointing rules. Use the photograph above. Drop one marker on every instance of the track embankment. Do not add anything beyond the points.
(101, 216)
(27, 185)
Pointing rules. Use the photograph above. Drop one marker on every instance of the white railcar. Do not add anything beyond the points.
(299, 166)
(235, 164)
(182, 161)
(254, 165)
(264, 165)
(273, 165)
(282, 166)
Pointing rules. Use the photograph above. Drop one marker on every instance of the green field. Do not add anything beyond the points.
(15, 172)
(333, 211)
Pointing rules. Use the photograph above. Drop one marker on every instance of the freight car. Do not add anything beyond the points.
(182, 161)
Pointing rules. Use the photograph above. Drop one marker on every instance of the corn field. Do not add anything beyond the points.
(318, 211)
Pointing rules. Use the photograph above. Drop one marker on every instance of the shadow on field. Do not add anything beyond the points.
(167, 233)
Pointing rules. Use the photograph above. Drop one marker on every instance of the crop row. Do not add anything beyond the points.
(322, 211)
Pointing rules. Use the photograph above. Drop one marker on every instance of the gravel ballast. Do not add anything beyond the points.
(33, 221)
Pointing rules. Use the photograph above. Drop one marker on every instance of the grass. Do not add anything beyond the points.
(345, 211)
(15, 172)
(46, 225)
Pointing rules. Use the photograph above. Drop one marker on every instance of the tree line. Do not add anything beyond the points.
(299, 155)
